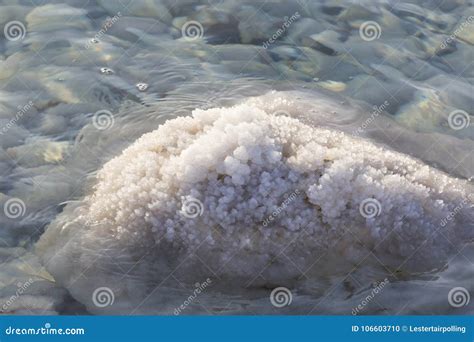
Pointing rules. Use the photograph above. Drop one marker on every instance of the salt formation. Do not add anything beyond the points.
(192, 197)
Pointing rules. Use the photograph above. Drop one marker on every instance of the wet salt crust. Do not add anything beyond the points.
(238, 165)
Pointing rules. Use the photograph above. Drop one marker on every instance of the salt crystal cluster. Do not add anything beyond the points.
(239, 166)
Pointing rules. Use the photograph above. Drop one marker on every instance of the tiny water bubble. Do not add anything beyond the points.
(106, 71)
(142, 86)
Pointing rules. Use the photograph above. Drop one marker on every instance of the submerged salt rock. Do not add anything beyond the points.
(227, 190)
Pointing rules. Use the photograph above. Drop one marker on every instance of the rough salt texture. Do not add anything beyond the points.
(245, 165)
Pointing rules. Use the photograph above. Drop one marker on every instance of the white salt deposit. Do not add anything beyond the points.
(239, 166)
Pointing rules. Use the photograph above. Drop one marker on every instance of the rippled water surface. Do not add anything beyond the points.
(82, 80)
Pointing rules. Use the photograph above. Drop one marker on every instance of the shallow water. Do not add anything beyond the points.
(62, 116)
